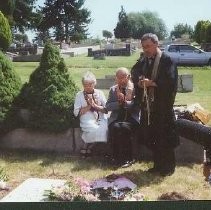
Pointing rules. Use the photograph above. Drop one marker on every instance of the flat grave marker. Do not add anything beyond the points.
(32, 190)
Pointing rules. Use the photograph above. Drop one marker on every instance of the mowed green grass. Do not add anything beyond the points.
(201, 87)
(188, 178)
(78, 65)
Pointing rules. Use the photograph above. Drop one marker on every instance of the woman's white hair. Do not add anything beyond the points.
(89, 77)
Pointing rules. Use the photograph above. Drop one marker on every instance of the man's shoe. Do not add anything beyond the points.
(127, 164)
(166, 173)
(153, 170)
(116, 163)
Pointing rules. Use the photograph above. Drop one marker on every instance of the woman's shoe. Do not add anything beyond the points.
(85, 152)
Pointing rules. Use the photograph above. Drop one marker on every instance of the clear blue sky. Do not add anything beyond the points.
(104, 13)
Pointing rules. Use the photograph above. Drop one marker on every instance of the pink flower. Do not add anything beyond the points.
(83, 184)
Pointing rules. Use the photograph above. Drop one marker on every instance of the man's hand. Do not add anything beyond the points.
(147, 83)
(120, 96)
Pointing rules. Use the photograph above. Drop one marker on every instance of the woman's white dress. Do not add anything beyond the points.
(94, 128)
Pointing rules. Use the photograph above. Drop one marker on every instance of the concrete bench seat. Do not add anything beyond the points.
(70, 142)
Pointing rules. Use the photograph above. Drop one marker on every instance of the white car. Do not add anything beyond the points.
(184, 54)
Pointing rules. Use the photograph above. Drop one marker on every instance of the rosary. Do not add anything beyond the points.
(145, 96)
(92, 109)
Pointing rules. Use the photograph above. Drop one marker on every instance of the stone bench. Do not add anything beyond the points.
(185, 82)
(70, 142)
(66, 142)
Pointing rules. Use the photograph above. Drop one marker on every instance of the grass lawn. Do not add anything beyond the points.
(187, 179)
(80, 64)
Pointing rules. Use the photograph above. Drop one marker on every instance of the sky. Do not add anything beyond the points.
(104, 13)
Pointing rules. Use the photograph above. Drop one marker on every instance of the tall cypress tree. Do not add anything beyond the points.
(20, 13)
(123, 27)
(67, 18)
(10, 82)
(7, 8)
(10, 85)
(5, 33)
(49, 95)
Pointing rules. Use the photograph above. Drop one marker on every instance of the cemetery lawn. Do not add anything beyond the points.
(78, 65)
(188, 178)
(21, 165)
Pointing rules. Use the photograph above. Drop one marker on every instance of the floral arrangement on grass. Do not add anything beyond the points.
(78, 189)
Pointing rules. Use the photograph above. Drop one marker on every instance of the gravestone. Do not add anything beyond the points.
(100, 56)
(32, 190)
(184, 82)
(104, 83)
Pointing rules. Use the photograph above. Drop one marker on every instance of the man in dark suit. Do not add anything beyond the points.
(155, 81)
(124, 117)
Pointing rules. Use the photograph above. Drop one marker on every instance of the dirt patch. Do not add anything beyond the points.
(173, 196)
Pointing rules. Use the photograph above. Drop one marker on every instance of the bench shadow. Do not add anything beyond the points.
(78, 163)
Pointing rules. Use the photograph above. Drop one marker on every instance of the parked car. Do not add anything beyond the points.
(184, 54)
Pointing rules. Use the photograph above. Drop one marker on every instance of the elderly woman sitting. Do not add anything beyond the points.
(90, 107)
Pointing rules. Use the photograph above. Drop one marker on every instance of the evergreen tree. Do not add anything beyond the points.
(123, 27)
(5, 33)
(10, 85)
(7, 8)
(135, 25)
(154, 24)
(203, 31)
(197, 31)
(107, 34)
(138, 25)
(66, 18)
(181, 29)
(208, 33)
(23, 14)
(20, 14)
(49, 95)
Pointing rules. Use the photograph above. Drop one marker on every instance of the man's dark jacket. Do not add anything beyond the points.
(161, 131)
